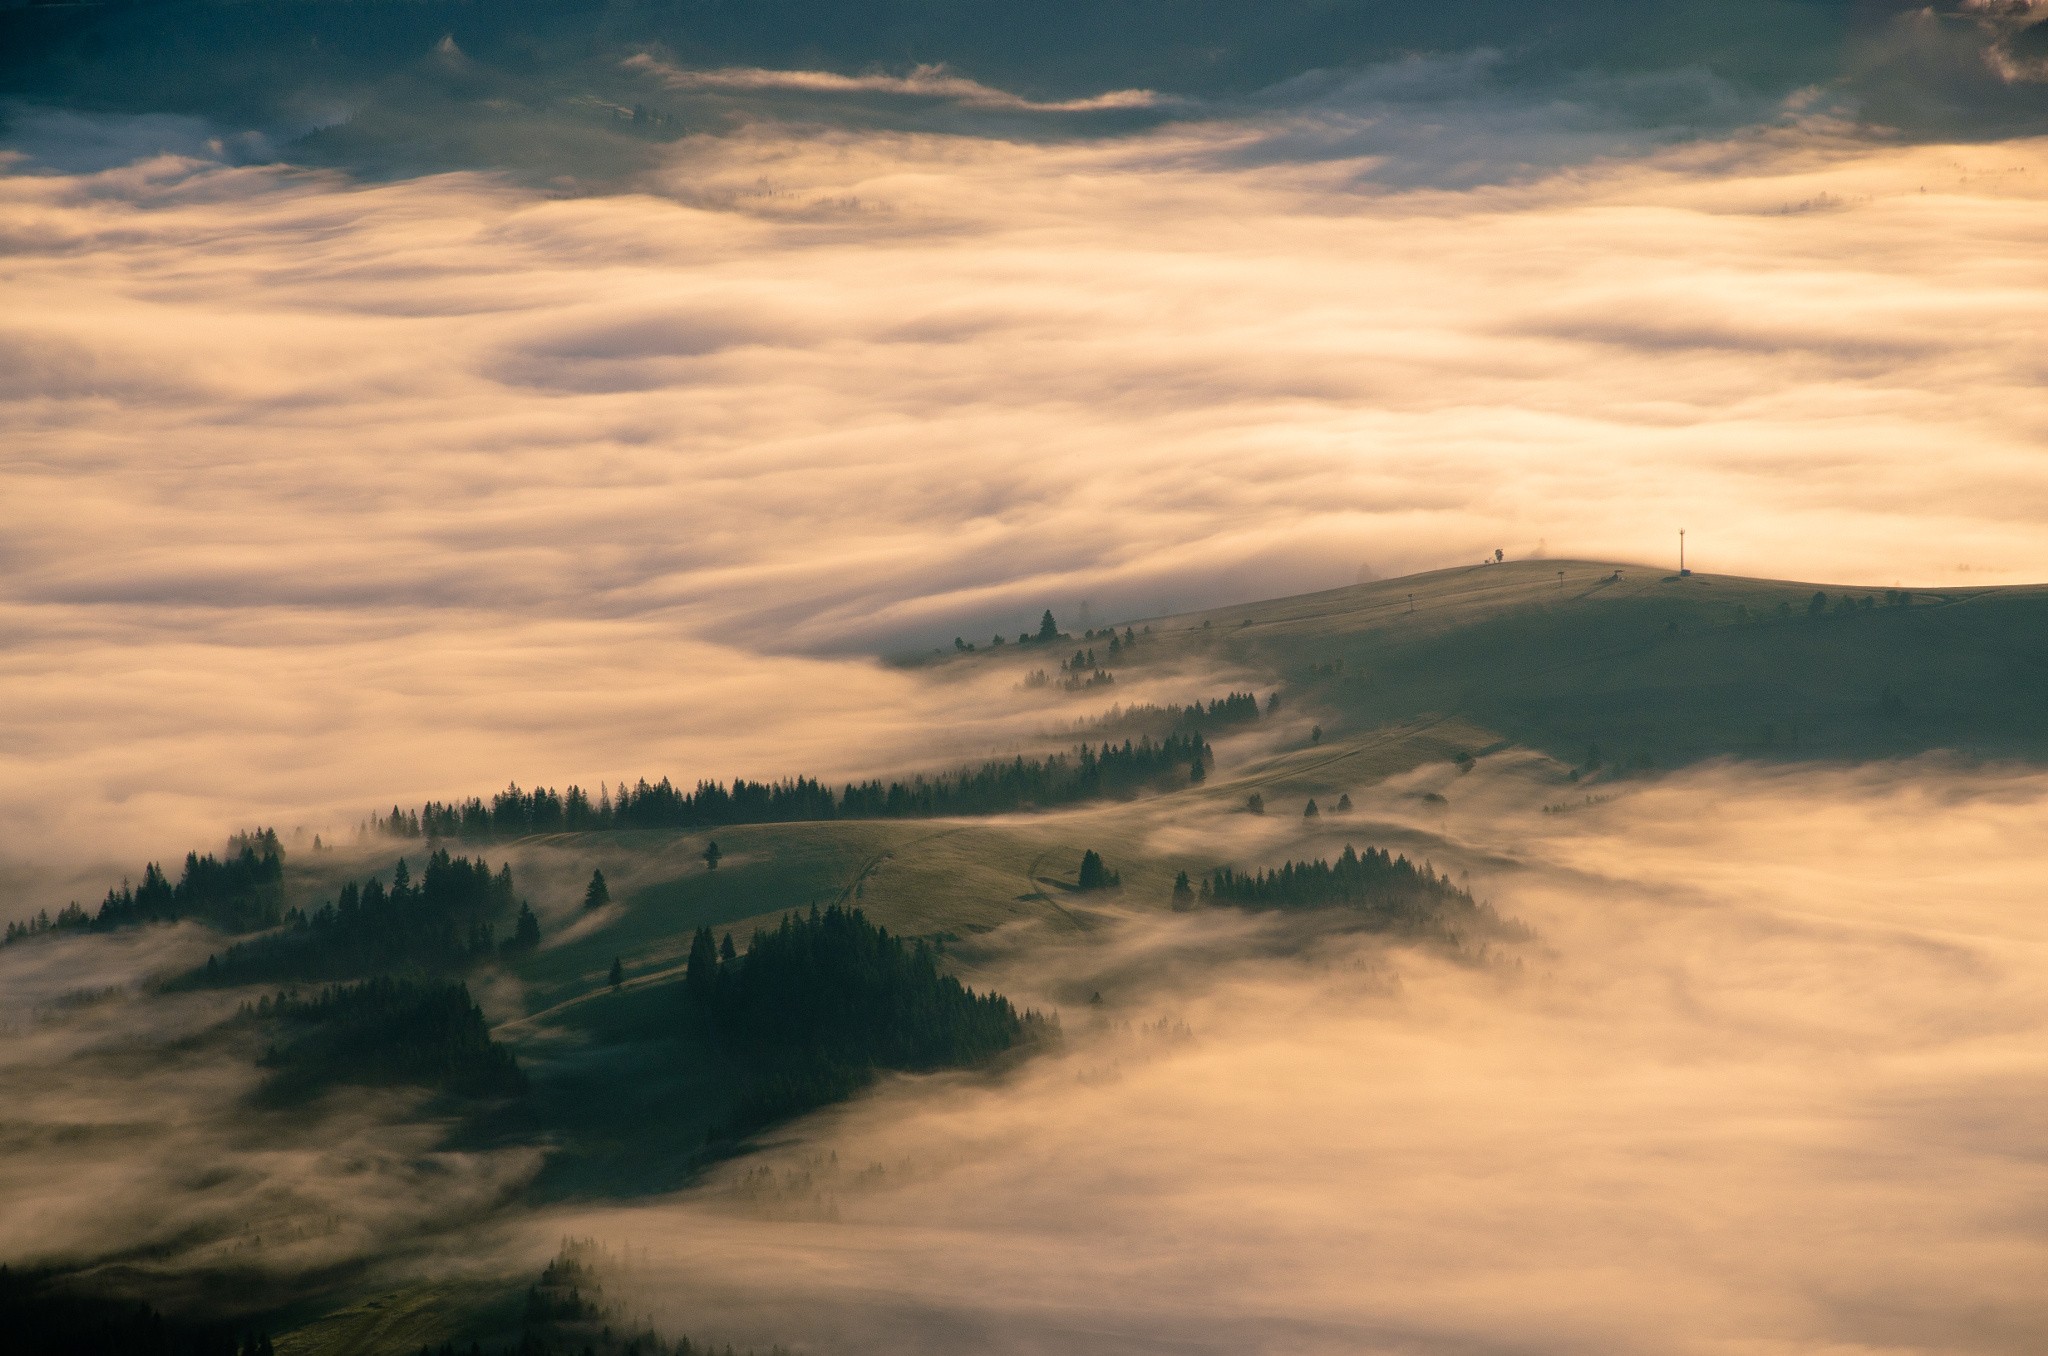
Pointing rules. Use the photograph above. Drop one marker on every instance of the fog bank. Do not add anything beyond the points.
(1770, 1084)
(321, 494)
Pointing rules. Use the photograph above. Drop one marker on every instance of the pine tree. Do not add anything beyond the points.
(1256, 803)
(727, 952)
(1094, 874)
(596, 894)
(1344, 802)
(700, 973)
(1048, 629)
(1183, 893)
(526, 932)
(711, 855)
(618, 974)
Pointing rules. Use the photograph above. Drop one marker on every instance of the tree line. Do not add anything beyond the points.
(995, 787)
(1220, 713)
(240, 892)
(42, 1314)
(442, 923)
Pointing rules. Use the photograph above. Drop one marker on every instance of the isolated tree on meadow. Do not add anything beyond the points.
(1315, 736)
(1094, 874)
(1256, 803)
(1048, 629)
(1311, 812)
(618, 974)
(1344, 802)
(711, 855)
(596, 894)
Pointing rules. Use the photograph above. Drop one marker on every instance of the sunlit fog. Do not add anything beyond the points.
(1110, 679)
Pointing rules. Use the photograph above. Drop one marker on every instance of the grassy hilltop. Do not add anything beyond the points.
(1654, 669)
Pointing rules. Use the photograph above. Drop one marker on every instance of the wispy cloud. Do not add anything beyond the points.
(922, 82)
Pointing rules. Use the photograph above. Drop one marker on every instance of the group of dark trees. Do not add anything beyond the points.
(995, 787)
(1845, 604)
(814, 1009)
(43, 1315)
(443, 923)
(1393, 891)
(240, 892)
(382, 1032)
(1197, 717)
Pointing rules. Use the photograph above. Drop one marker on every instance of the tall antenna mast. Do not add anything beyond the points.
(1682, 571)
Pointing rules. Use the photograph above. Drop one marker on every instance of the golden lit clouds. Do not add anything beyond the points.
(310, 482)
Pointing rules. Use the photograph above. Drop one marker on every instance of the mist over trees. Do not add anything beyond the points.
(1218, 714)
(442, 924)
(379, 1033)
(241, 892)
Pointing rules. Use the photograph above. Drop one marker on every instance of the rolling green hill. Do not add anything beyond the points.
(1654, 669)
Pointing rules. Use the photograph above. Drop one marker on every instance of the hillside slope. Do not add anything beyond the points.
(1653, 669)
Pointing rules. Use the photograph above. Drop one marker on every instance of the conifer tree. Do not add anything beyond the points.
(526, 932)
(1048, 629)
(618, 974)
(700, 973)
(1311, 812)
(596, 894)
(711, 855)
(1094, 874)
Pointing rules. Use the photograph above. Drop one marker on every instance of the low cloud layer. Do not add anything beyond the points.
(322, 494)
(129, 1149)
(1768, 1083)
